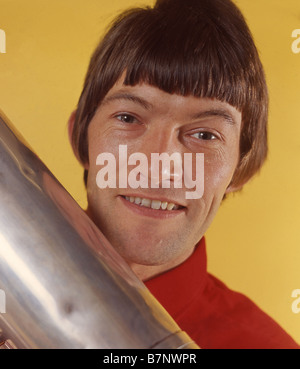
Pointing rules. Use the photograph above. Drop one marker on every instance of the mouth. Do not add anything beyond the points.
(153, 204)
(153, 208)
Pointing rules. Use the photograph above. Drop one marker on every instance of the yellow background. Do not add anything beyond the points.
(254, 243)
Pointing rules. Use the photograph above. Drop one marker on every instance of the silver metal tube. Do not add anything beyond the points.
(65, 285)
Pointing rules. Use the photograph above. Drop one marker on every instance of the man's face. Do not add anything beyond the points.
(149, 120)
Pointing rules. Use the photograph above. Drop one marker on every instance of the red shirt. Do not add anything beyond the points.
(214, 316)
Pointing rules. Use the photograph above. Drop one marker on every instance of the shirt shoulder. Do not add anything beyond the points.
(228, 319)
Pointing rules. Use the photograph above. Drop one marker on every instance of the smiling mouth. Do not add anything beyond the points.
(153, 204)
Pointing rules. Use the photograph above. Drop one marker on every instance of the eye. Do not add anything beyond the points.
(207, 136)
(127, 118)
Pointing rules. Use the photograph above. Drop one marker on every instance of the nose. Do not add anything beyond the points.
(165, 166)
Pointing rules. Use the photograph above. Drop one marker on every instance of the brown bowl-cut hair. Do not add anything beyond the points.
(202, 48)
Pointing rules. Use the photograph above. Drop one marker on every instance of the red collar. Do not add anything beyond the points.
(176, 288)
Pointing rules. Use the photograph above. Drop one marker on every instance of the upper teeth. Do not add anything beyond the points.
(154, 204)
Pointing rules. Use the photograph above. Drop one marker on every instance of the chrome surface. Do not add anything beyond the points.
(65, 286)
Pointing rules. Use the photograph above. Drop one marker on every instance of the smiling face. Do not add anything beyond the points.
(155, 229)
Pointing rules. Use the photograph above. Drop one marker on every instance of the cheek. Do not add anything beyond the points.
(99, 143)
(219, 170)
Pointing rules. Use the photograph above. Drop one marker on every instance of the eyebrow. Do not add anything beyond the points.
(120, 95)
(129, 97)
(215, 113)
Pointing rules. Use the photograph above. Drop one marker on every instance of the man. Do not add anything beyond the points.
(183, 77)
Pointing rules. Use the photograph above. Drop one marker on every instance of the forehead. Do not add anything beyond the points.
(152, 98)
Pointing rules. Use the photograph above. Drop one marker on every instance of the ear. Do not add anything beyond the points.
(234, 188)
(71, 123)
(231, 189)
